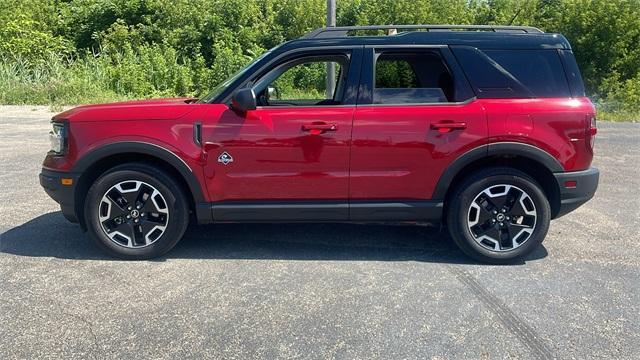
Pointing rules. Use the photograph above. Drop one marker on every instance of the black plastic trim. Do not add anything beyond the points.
(62, 194)
(525, 150)
(404, 210)
(493, 149)
(573, 197)
(327, 211)
(269, 211)
(197, 133)
(340, 31)
(203, 212)
(147, 149)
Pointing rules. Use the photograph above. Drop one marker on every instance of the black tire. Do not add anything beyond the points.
(176, 207)
(460, 216)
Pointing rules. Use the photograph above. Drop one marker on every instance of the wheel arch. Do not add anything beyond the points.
(529, 159)
(96, 162)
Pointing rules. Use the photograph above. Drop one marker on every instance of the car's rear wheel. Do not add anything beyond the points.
(136, 211)
(498, 215)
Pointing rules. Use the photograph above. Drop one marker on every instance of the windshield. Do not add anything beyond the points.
(223, 85)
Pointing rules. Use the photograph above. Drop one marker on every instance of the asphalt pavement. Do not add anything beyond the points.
(317, 291)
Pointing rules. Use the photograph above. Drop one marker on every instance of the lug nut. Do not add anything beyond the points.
(508, 218)
(504, 210)
(142, 214)
(129, 208)
(494, 212)
(138, 207)
(136, 220)
(501, 224)
(128, 216)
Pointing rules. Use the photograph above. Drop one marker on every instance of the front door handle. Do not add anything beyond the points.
(318, 128)
(447, 126)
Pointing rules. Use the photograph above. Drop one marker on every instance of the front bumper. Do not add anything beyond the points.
(576, 188)
(64, 195)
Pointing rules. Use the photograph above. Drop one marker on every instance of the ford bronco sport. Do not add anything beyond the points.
(485, 129)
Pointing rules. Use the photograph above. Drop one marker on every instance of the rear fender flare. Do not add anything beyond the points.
(489, 150)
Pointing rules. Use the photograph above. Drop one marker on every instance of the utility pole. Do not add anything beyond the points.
(331, 67)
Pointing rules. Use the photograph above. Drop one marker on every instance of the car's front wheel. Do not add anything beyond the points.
(136, 211)
(498, 215)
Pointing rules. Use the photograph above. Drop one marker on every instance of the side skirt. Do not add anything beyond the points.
(323, 211)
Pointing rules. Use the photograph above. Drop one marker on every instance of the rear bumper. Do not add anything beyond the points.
(51, 182)
(571, 197)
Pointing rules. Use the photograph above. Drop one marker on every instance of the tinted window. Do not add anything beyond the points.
(406, 77)
(573, 73)
(513, 73)
(539, 70)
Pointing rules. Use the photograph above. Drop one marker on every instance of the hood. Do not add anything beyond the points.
(152, 109)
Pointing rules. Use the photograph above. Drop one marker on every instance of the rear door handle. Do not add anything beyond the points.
(319, 128)
(446, 126)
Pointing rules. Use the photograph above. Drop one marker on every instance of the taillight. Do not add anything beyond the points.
(592, 131)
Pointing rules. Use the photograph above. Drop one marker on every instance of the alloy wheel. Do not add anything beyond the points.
(502, 217)
(133, 214)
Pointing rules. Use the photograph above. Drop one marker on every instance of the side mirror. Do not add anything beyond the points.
(273, 92)
(244, 100)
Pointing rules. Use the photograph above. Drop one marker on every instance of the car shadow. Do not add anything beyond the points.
(50, 235)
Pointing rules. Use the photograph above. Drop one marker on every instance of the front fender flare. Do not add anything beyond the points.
(145, 148)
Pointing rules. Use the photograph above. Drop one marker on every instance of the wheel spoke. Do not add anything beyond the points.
(112, 225)
(141, 230)
(497, 195)
(142, 197)
(131, 199)
(156, 218)
(517, 227)
(486, 204)
(118, 199)
(512, 197)
(491, 232)
(506, 238)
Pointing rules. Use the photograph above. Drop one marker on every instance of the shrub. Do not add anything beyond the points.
(77, 51)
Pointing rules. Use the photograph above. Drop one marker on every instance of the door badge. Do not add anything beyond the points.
(225, 158)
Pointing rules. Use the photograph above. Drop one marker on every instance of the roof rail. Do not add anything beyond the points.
(341, 31)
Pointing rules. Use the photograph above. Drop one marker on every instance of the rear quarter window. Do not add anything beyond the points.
(513, 73)
(540, 71)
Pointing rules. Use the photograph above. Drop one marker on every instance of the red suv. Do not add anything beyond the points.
(483, 128)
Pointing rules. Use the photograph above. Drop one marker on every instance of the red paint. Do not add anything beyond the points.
(311, 153)
(399, 152)
(555, 125)
(279, 153)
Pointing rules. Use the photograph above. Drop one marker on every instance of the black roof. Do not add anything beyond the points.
(480, 36)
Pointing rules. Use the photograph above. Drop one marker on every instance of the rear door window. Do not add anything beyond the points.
(412, 77)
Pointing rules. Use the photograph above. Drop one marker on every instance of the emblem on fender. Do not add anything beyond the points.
(225, 158)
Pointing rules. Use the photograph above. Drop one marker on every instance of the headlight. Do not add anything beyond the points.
(58, 138)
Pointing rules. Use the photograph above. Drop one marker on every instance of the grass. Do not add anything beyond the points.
(618, 111)
(620, 116)
(54, 83)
